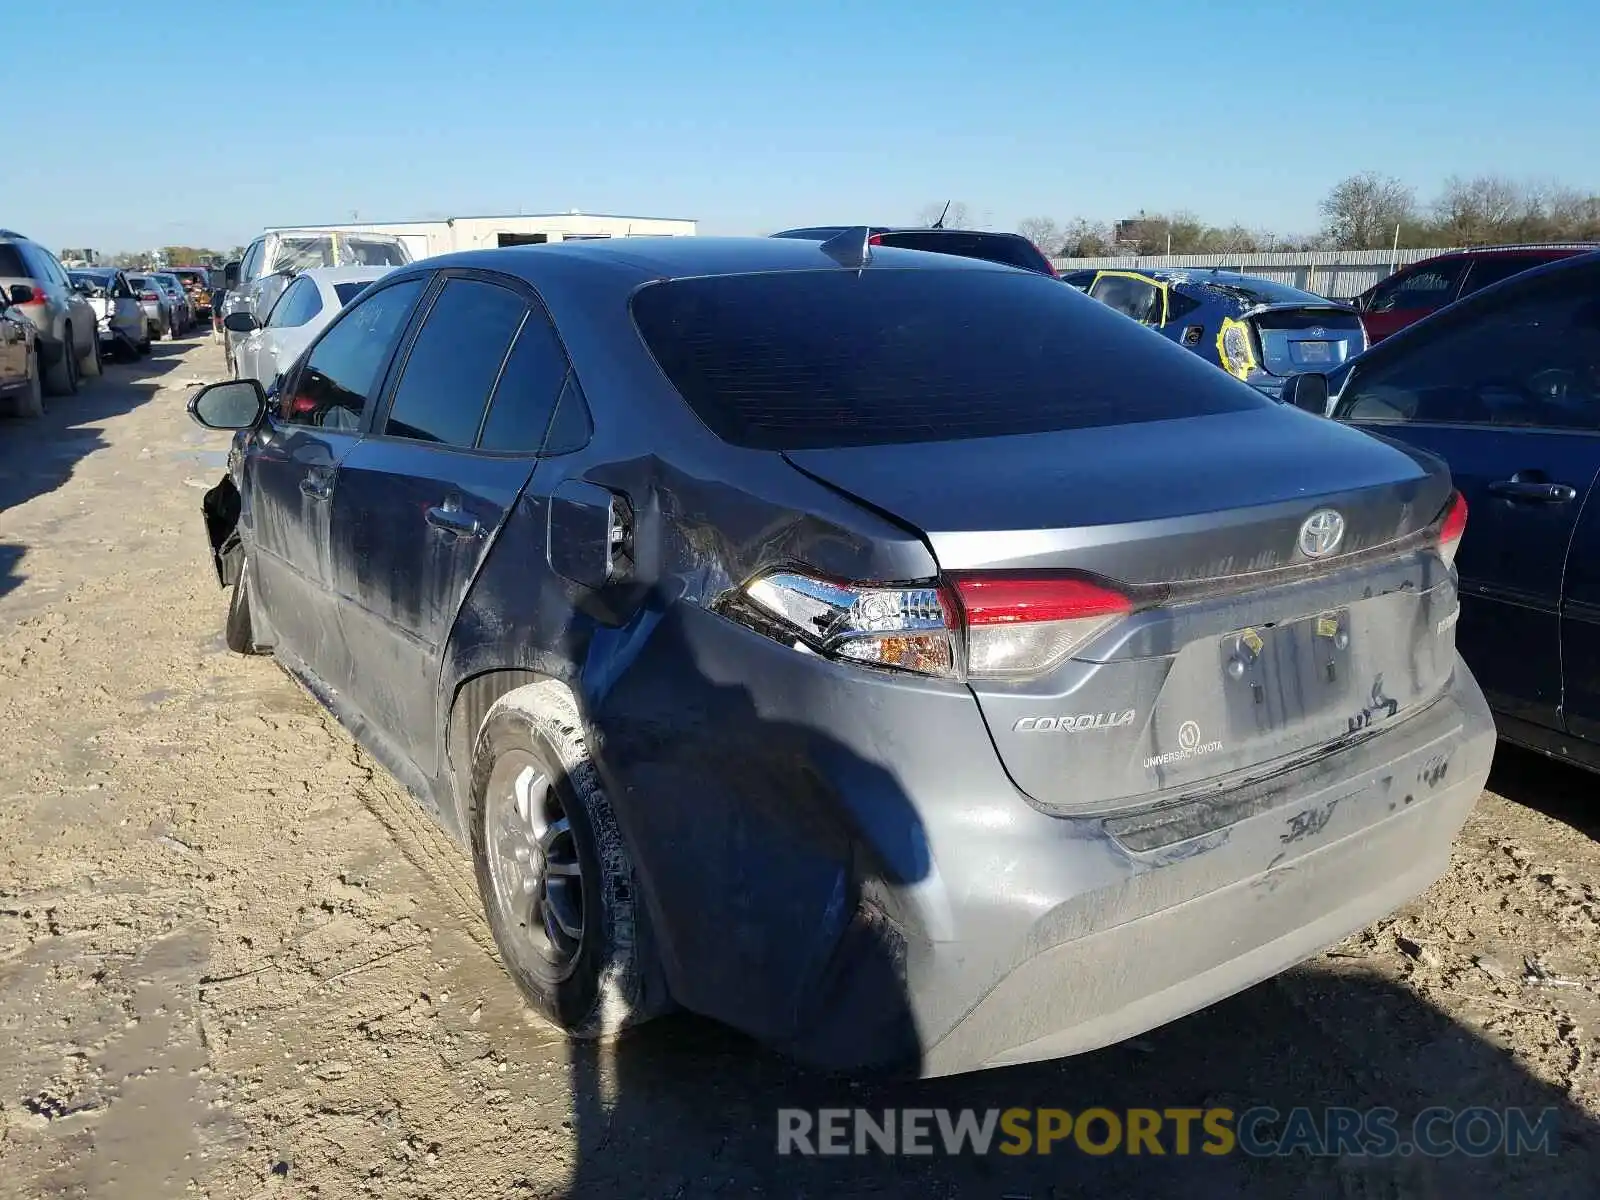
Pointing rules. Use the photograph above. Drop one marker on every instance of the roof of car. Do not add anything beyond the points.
(344, 274)
(679, 257)
(803, 232)
(1197, 280)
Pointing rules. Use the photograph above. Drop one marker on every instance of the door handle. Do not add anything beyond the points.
(454, 520)
(315, 490)
(1537, 493)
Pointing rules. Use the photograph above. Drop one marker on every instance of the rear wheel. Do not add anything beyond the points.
(556, 878)
(62, 378)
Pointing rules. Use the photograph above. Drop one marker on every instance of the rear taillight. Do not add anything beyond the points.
(1453, 525)
(149, 296)
(38, 298)
(982, 625)
(1021, 625)
(875, 240)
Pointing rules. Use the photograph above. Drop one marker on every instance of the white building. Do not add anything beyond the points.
(427, 238)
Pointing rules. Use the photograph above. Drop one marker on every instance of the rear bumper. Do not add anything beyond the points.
(1134, 962)
(835, 861)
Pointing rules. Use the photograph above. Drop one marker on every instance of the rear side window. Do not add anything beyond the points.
(11, 262)
(526, 395)
(349, 291)
(1136, 298)
(1492, 268)
(797, 360)
(454, 362)
(1432, 286)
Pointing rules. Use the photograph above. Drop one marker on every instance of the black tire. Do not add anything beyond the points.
(62, 379)
(605, 983)
(93, 364)
(239, 631)
(30, 401)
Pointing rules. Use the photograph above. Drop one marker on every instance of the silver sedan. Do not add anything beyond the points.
(301, 312)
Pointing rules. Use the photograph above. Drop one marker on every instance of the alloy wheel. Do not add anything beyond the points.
(534, 863)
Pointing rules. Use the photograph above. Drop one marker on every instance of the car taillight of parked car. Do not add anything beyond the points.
(973, 625)
(1452, 526)
(149, 296)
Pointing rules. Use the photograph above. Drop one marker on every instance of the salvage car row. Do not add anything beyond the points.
(59, 325)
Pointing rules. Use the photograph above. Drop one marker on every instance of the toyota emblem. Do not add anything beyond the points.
(1321, 533)
(1319, 331)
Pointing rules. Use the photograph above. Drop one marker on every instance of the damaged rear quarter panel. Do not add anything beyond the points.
(724, 811)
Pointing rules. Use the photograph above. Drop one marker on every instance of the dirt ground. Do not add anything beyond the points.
(237, 961)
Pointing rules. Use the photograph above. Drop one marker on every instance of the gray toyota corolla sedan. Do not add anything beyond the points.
(902, 658)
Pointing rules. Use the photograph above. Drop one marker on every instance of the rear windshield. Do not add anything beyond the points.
(349, 291)
(990, 247)
(1258, 291)
(800, 360)
(11, 262)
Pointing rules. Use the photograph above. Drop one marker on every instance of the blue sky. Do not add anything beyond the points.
(752, 116)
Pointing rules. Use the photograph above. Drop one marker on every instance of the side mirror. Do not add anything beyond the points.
(230, 275)
(21, 293)
(1308, 392)
(240, 322)
(233, 405)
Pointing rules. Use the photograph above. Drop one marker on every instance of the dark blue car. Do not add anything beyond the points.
(898, 656)
(1505, 387)
(1255, 329)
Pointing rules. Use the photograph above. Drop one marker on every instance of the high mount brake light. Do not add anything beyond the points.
(1009, 626)
(1451, 528)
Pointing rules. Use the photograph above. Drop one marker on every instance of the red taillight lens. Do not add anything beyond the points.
(1001, 599)
(875, 240)
(38, 298)
(149, 296)
(1021, 625)
(1452, 528)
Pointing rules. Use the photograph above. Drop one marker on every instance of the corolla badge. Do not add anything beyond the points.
(1321, 533)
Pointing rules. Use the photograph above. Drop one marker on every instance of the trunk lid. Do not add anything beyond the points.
(1297, 337)
(1242, 655)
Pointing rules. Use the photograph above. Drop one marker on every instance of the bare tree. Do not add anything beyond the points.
(1043, 233)
(1362, 212)
(956, 214)
(1083, 238)
(1486, 208)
